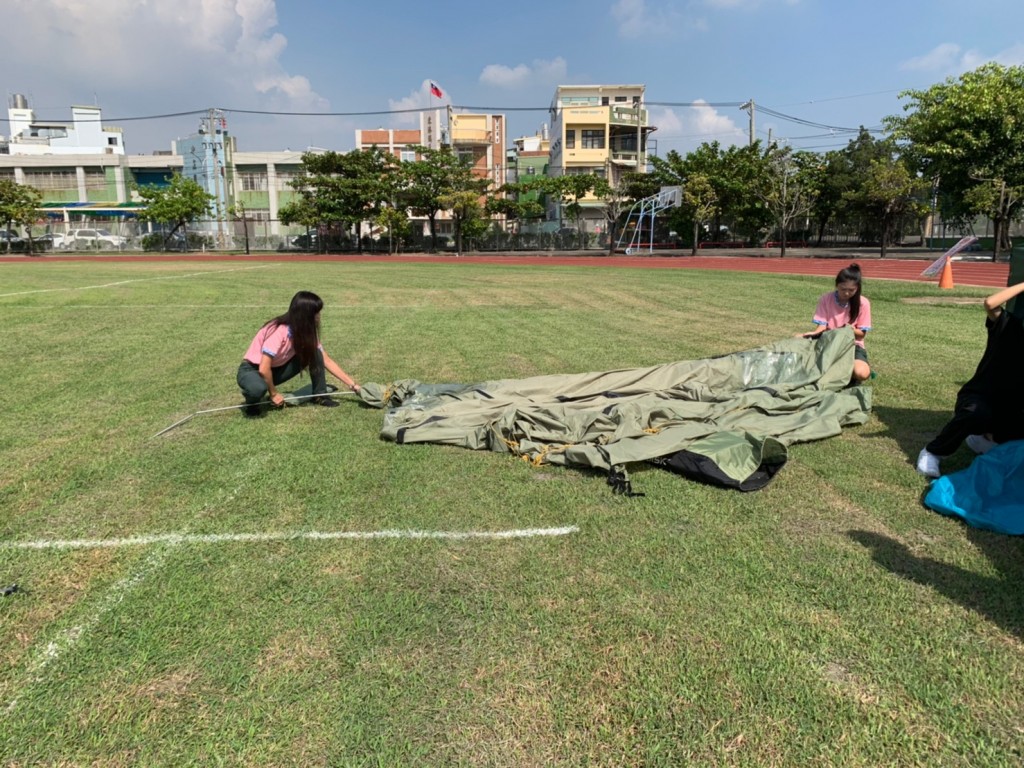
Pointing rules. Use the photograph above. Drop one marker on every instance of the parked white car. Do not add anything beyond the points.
(93, 238)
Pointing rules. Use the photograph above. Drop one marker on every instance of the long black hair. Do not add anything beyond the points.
(851, 274)
(301, 318)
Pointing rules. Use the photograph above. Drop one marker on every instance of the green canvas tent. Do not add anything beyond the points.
(726, 420)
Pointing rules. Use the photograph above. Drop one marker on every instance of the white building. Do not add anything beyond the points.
(84, 135)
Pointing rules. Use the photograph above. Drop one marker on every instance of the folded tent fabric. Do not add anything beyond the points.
(733, 415)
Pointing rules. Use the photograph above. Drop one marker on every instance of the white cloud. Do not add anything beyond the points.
(939, 59)
(419, 99)
(951, 59)
(541, 72)
(687, 128)
(139, 57)
(640, 18)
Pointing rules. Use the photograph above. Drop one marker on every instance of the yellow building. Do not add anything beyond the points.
(598, 129)
(479, 139)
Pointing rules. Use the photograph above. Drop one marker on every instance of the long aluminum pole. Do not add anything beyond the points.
(287, 400)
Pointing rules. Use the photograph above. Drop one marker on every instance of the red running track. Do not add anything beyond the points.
(969, 273)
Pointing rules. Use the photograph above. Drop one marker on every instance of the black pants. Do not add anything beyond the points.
(254, 388)
(975, 414)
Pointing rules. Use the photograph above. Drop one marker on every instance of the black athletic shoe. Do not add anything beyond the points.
(252, 411)
(326, 402)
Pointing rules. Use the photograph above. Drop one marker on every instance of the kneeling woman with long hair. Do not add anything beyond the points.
(282, 349)
(847, 306)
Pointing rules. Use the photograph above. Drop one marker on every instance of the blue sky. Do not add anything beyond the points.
(834, 63)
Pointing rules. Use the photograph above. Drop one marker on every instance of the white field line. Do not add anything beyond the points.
(175, 539)
(139, 280)
(67, 639)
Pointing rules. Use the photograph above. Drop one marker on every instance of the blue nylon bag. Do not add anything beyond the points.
(989, 494)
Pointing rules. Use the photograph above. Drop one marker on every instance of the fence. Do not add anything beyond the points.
(129, 234)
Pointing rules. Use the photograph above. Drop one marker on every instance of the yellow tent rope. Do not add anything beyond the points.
(541, 457)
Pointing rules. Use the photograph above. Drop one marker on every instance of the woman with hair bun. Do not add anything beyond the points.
(847, 305)
(283, 348)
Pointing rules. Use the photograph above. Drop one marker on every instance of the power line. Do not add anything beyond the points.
(842, 98)
(411, 110)
(808, 123)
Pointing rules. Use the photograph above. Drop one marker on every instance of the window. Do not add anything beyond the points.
(620, 98)
(51, 180)
(95, 180)
(112, 141)
(252, 181)
(604, 101)
(285, 179)
(578, 170)
(625, 143)
(593, 139)
(407, 156)
(570, 139)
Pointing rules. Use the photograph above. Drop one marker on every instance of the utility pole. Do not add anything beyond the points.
(213, 132)
(749, 107)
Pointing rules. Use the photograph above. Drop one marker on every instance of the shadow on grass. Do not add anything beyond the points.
(913, 428)
(995, 597)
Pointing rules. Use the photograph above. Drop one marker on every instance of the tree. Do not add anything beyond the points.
(18, 205)
(438, 173)
(614, 202)
(968, 134)
(395, 222)
(239, 212)
(181, 201)
(732, 173)
(465, 208)
(569, 190)
(834, 175)
(517, 201)
(340, 189)
(889, 192)
(785, 190)
(701, 201)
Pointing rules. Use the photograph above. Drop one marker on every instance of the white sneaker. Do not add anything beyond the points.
(979, 443)
(928, 464)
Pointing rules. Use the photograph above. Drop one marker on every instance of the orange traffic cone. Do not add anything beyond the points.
(946, 278)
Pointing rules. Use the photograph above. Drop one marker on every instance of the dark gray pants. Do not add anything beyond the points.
(254, 388)
(975, 414)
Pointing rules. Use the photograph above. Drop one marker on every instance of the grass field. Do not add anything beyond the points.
(827, 620)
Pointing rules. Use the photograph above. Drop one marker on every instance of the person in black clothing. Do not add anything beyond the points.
(990, 407)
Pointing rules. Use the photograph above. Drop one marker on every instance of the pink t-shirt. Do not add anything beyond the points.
(273, 340)
(832, 314)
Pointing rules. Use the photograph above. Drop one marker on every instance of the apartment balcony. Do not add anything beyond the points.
(624, 156)
(625, 115)
(472, 136)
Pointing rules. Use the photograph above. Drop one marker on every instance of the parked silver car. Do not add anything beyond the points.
(93, 238)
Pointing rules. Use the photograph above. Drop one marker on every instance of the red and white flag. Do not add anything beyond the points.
(435, 91)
